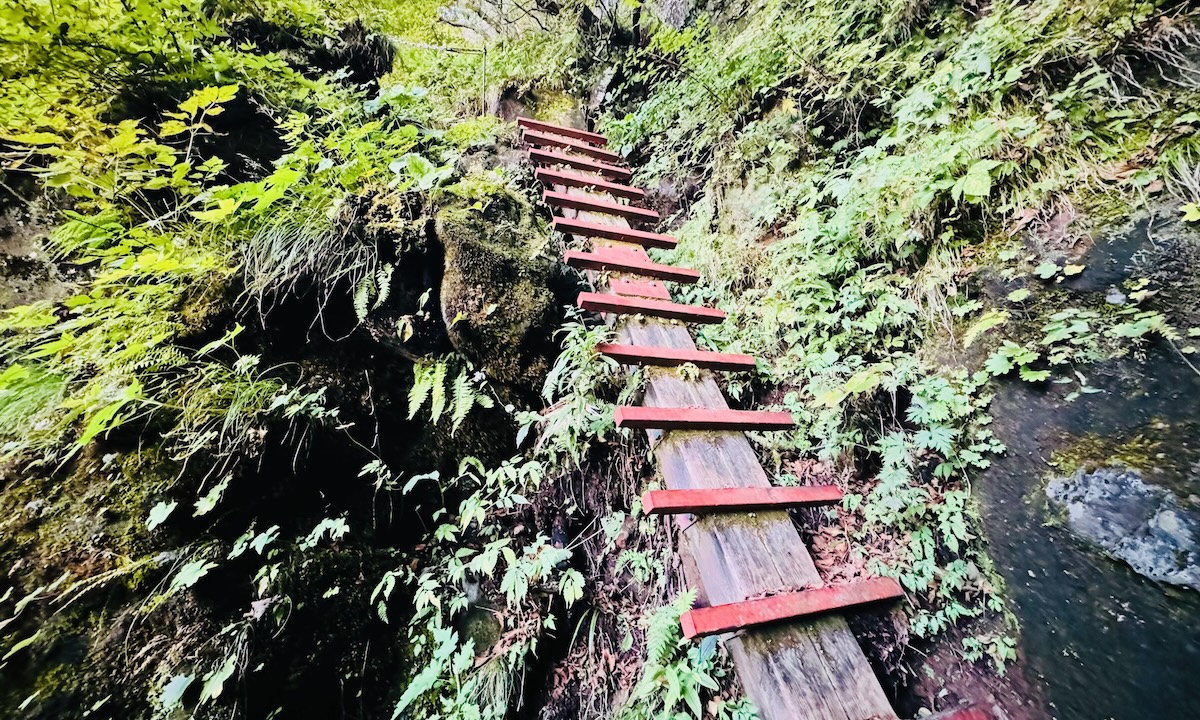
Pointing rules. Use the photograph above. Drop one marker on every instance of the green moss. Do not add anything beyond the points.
(1089, 451)
(494, 296)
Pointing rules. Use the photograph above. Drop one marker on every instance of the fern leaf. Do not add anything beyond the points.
(438, 402)
(462, 401)
(362, 297)
(422, 384)
(383, 285)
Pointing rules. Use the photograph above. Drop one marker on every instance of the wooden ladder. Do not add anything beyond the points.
(755, 580)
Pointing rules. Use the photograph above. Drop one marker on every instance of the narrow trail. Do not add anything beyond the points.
(756, 584)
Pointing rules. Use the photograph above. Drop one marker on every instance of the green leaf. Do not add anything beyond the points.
(172, 693)
(1191, 212)
(214, 682)
(189, 575)
(990, 319)
(205, 504)
(1019, 295)
(160, 513)
(1046, 270)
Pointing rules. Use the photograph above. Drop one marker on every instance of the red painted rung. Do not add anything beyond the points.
(538, 125)
(640, 288)
(588, 204)
(620, 305)
(604, 259)
(971, 712)
(670, 357)
(789, 606)
(656, 418)
(738, 499)
(541, 139)
(549, 157)
(612, 232)
(569, 179)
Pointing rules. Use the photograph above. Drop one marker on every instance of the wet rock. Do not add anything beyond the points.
(495, 296)
(1142, 524)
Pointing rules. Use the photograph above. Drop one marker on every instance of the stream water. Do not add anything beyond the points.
(1102, 641)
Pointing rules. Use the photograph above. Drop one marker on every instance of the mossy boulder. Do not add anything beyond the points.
(495, 295)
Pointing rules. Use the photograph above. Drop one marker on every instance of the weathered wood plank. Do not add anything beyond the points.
(584, 202)
(550, 157)
(670, 357)
(588, 182)
(541, 126)
(738, 499)
(730, 617)
(640, 288)
(607, 231)
(541, 139)
(606, 259)
(792, 671)
(701, 418)
(621, 305)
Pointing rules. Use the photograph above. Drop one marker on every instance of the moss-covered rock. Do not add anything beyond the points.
(495, 296)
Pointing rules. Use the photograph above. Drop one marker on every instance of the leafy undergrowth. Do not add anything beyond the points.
(856, 164)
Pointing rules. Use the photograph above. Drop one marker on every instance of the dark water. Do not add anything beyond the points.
(1103, 641)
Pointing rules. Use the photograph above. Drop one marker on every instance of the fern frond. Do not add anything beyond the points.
(422, 385)
(462, 400)
(362, 297)
(383, 285)
(438, 401)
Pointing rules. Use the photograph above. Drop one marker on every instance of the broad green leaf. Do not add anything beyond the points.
(159, 513)
(172, 692)
(189, 575)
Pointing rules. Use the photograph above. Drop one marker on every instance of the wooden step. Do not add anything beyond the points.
(609, 260)
(541, 139)
(738, 499)
(671, 357)
(788, 606)
(619, 305)
(588, 182)
(584, 228)
(640, 288)
(691, 418)
(589, 204)
(538, 125)
(550, 157)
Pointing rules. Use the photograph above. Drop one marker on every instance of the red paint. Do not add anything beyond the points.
(619, 305)
(670, 357)
(701, 419)
(738, 499)
(569, 179)
(588, 204)
(750, 613)
(971, 712)
(640, 288)
(615, 261)
(611, 232)
(550, 157)
(538, 125)
(540, 139)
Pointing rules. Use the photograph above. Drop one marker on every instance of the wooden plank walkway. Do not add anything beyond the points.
(807, 669)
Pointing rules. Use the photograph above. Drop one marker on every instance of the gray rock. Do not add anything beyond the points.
(1144, 525)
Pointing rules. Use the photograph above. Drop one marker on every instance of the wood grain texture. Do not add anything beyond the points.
(814, 670)
(540, 126)
(588, 181)
(551, 157)
(730, 617)
(542, 139)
